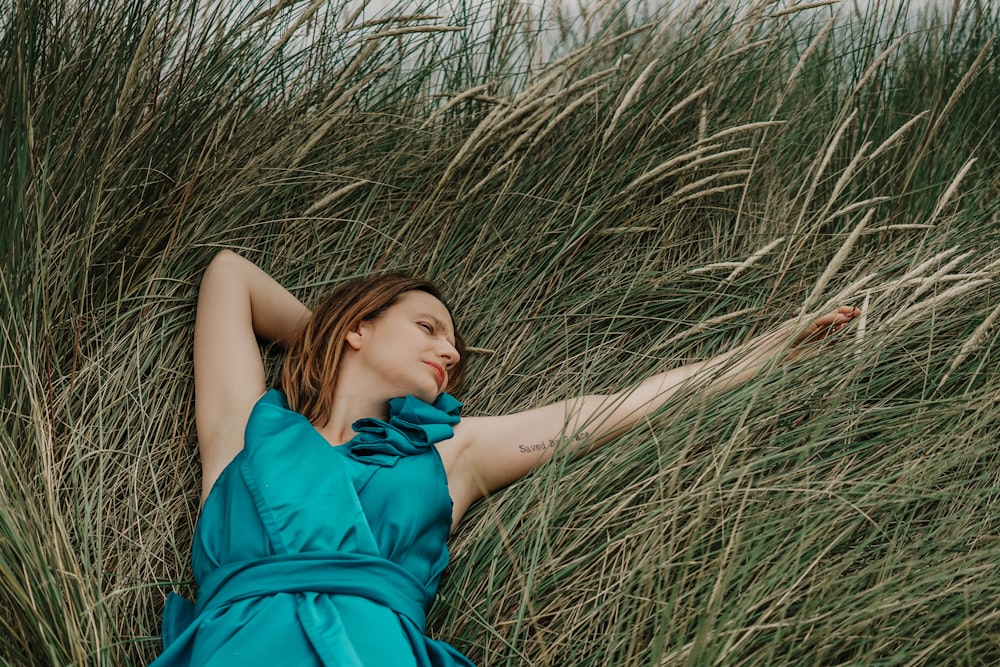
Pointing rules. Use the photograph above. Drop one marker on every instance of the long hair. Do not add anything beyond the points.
(312, 364)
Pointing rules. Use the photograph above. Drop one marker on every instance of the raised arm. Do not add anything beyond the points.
(496, 451)
(237, 303)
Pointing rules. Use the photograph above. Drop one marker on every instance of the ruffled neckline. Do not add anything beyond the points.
(413, 427)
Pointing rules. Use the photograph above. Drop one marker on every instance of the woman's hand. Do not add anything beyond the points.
(820, 328)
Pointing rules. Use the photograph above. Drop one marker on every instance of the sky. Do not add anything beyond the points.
(867, 6)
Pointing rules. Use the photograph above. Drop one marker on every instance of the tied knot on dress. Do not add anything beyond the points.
(413, 427)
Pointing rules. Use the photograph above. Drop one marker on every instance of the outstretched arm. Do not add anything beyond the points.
(496, 451)
(237, 303)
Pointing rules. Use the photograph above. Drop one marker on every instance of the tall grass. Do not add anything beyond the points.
(598, 193)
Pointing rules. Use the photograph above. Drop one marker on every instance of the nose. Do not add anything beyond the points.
(449, 354)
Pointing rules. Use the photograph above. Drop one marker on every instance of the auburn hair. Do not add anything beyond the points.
(312, 362)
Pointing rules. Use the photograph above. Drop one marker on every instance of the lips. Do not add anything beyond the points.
(438, 371)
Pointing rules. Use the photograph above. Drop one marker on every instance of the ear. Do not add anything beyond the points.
(355, 336)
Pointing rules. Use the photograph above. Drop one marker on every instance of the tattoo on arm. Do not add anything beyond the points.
(553, 443)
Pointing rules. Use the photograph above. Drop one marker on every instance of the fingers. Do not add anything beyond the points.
(849, 312)
(834, 321)
(837, 318)
(842, 314)
(822, 327)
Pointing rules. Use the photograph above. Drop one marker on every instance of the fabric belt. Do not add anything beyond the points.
(361, 575)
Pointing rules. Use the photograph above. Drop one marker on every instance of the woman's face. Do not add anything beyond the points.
(410, 347)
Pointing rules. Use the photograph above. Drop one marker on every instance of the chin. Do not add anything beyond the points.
(428, 397)
(424, 393)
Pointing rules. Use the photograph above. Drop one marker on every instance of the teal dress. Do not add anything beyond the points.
(307, 554)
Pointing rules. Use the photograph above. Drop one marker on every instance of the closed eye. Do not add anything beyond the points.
(426, 326)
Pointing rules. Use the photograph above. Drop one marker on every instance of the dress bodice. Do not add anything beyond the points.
(344, 544)
(293, 497)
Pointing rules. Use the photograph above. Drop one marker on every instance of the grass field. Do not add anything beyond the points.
(601, 196)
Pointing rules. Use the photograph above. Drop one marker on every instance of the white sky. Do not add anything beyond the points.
(866, 6)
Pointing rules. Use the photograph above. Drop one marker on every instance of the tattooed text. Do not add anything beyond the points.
(553, 443)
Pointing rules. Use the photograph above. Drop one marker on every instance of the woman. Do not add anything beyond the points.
(327, 506)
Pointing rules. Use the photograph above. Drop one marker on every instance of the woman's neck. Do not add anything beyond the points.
(352, 401)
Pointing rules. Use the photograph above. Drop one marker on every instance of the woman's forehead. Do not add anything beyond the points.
(420, 301)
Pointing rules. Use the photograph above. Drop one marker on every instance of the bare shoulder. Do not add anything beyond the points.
(488, 453)
(491, 452)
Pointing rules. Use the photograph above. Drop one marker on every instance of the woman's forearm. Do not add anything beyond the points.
(276, 314)
(719, 373)
(733, 368)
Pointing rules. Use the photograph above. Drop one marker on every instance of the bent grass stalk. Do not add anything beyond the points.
(545, 111)
(920, 268)
(567, 112)
(848, 293)
(298, 23)
(746, 127)
(703, 194)
(824, 162)
(680, 106)
(801, 8)
(896, 136)
(943, 298)
(329, 199)
(410, 30)
(972, 343)
(705, 159)
(389, 20)
(801, 63)
(684, 193)
(962, 86)
(630, 95)
(754, 258)
(454, 102)
(851, 208)
(950, 191)
(702, 326)
(876, 64)
(863, 322)
(928, 282)
(845, 178)
(661, 169)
